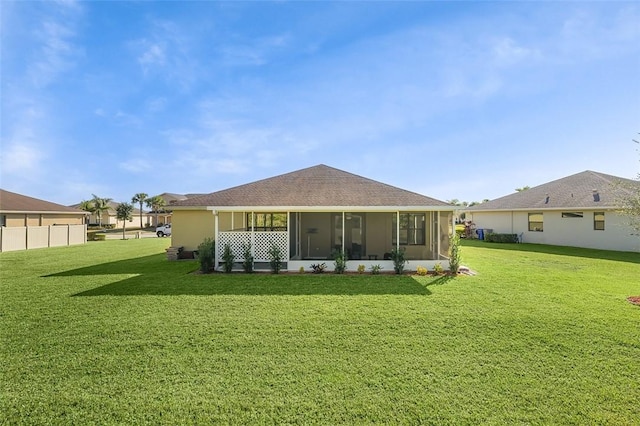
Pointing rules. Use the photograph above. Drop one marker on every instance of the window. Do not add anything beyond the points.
(536, 222)
(598, 221)
(572, 215)
(412, 229)
(3, 220)
(268, 221)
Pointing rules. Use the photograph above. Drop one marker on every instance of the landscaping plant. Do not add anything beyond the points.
(399, 260)
(275, 259)
(207, 255)
(339, 261)
(247, 263)
(228, 257)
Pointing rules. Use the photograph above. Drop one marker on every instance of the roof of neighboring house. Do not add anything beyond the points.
(318, 186)
(585, 190)
(18, 203)
(113, 207)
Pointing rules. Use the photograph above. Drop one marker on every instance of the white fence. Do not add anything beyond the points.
(31, 237)
(261, 243)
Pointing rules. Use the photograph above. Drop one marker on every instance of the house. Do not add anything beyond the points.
(27, 222)
(163, 215)
(109, 217)
(310, 213)
(577, 210)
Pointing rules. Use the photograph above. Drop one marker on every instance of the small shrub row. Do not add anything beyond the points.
(501, 238)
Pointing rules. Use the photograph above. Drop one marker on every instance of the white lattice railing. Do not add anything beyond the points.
(260, 246)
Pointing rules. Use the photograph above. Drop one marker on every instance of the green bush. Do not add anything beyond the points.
(247, 263)
(228, 257)
(207, 255)
(501, 238)
(454, 254)
(399, 260)
(340, 261)
(275, 259)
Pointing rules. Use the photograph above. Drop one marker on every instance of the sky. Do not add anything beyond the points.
(453, 100)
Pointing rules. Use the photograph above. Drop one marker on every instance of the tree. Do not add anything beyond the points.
(87, 206)
(124, 212)
(524, 188)
(100, 205)
(139, 198)
(155, 203)
(628, 203)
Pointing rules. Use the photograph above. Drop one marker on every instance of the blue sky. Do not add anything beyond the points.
(464, 100)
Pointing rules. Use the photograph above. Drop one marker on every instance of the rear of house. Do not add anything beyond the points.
(312, 213)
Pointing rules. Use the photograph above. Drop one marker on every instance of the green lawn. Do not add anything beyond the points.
(111, 332)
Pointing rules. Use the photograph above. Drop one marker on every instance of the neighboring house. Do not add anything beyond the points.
(578, 210)
(164, 214)
(310, 213)
(110, 217)
(28, 222)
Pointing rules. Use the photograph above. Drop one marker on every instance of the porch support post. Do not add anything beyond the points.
(398, 231)
(438, 234)
(343, 223)
(288, 238)
(216, 239)
(253, 235)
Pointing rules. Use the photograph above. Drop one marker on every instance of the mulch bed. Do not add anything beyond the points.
(634, 299)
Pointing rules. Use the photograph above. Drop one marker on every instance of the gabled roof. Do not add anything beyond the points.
(318, 186)
(585, 190)
(11, 202)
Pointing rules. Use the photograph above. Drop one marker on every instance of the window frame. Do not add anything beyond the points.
(411, 234)
(267, 220)
(533, 224)
(596, 221)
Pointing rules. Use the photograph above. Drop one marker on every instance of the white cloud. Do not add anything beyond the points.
(21, 157)
(137, 165)
(153, 56)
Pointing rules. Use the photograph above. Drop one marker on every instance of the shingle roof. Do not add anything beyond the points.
(314, 187)
(585, 190)
(12, 202)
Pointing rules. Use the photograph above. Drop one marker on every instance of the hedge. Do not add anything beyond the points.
(501, 238)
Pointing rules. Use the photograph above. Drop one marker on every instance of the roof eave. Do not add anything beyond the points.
(315, 208)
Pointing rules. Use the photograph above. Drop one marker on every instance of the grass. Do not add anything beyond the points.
(110, 332)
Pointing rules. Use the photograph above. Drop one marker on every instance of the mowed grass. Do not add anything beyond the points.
(112, 333)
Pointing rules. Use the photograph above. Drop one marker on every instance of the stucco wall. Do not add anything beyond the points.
(575, 232)
(191, 227)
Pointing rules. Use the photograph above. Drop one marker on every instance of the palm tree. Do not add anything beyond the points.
(124, 212)
(87, 206)
(100, 205)
(155, 203)
(139, 198)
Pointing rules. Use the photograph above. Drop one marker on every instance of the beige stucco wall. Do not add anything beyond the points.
(191, 227)
(575, 232)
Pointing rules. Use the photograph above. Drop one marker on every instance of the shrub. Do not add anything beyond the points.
(438, 269)
(421, 270)
(340, 261)
(228, 257)
(247, 263)
(399, 260)
(207, 255)
(454, 254)
(375, 269)
(318, 268)
(275, 259)
(501, 238)
(301, 270)
(361, 269)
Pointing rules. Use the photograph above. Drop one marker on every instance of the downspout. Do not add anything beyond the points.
(438, 234)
